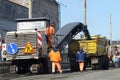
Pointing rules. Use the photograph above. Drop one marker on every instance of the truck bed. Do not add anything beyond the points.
(92, 47)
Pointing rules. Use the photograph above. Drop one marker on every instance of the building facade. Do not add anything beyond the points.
(46, 8)
(10, 10)
(24, 3)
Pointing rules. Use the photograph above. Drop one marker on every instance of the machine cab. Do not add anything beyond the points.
(28, 33)
(32, 24)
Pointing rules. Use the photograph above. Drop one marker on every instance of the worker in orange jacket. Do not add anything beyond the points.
(55, 58)
(50, 32)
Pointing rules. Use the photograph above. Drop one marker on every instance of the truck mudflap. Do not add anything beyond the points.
(64, 35)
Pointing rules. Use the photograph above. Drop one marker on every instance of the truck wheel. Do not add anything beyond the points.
(116, 64)
(106, 63)
(100, 62)
(40, 69)
(16, 69)
(74, 66)
(95, 66)
(21, 69)
(44, 65)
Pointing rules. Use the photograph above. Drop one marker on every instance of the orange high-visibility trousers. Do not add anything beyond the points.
(50, 41)
(54, 65)
(81, 66)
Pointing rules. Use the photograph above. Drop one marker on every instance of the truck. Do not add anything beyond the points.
(27, 46)
(24, 46)
(96, 50)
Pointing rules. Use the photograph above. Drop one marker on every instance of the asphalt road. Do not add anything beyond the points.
(112, 74)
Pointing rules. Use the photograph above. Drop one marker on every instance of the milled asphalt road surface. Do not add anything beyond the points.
(112, 74)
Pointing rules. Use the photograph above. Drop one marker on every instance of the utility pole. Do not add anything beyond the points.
(110, 33)
(30, 9)
(85, 12)
(59, 9)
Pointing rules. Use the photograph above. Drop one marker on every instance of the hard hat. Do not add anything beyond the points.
(53, 24)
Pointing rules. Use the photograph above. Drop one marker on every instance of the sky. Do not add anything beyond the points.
(98, 15)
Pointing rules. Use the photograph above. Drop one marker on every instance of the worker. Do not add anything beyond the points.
(55, 58)
(109, 56)
(80, 58)
(115, 50)
(49, 33)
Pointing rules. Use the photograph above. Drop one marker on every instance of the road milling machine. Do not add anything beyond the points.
(28, 45)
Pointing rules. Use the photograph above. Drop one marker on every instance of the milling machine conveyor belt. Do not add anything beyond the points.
(64, 35)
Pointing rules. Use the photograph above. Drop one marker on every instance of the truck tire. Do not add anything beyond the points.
(100, 62)
(74, 66)
(103, 62)
(95, 66)
(116, 65)
(45, 65)
(106, 63)
(21, 69)
(40, 69)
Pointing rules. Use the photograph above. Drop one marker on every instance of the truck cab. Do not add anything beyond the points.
(32, 24)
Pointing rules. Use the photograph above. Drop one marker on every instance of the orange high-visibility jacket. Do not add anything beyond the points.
(50, 30)
(55, 56)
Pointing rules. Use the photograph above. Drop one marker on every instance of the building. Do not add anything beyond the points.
(46, 8)
(24, 3)
(10, 10)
